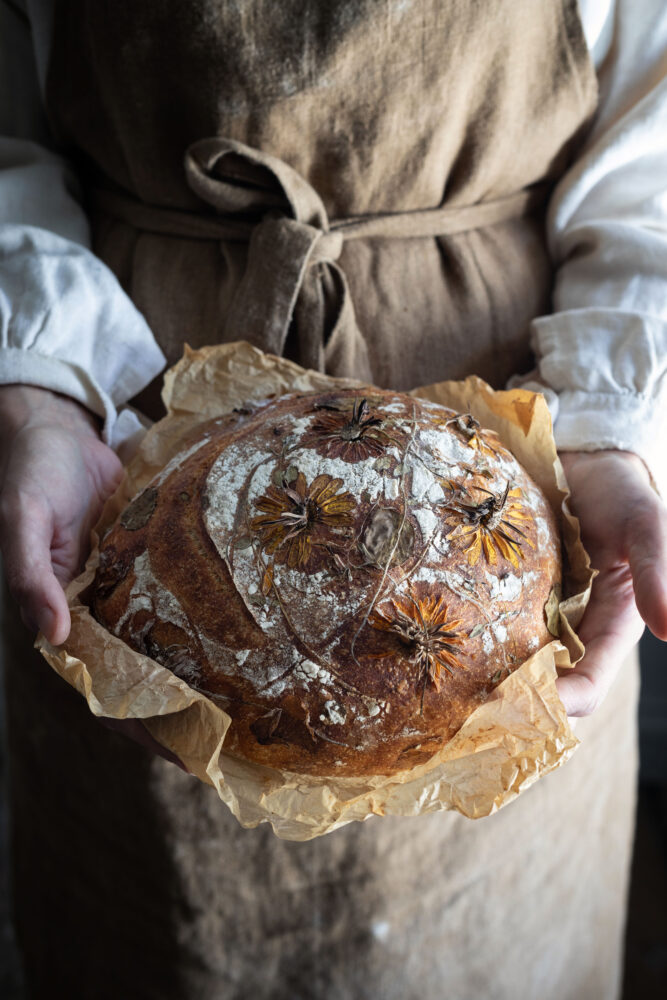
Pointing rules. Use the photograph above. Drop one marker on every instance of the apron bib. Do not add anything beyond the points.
(355, 184)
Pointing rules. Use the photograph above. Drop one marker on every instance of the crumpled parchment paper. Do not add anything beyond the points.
(518, 735)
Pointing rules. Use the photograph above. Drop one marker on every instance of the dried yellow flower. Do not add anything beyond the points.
(494, 526)
(297, 517)
(423, 625)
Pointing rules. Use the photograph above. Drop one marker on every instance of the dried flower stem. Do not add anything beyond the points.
(396, 541)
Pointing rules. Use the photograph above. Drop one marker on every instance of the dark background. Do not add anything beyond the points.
(646, 939)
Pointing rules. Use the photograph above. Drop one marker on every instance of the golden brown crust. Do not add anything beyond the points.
(348, 574)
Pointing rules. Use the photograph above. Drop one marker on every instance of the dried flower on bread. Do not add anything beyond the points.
(425, 630)
(352, 433)
(497, 525)
(296, 516)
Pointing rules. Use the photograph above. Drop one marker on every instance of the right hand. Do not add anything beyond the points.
(55, 474)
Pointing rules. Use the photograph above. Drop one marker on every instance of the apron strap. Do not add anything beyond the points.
(291, 271)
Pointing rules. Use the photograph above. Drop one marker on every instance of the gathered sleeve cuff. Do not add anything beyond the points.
(67, 325)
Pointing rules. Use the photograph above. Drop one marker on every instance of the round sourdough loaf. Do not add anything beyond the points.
(349, 575)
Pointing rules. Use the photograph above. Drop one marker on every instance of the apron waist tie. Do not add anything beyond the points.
(291, 268)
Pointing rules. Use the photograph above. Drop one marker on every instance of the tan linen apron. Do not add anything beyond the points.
(353, 184)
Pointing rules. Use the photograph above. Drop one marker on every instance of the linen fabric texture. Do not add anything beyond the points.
(370, 109)
(377, 108)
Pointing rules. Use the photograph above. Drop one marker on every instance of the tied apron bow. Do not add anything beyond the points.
(291, 279)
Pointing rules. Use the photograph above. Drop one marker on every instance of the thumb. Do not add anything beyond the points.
(26, 531)
(647, 555)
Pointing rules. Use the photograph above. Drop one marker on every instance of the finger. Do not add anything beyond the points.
(583, 689)
(610, 629)
(26, 530)
(647, 555)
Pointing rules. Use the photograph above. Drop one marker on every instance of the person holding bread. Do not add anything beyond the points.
(397, 192)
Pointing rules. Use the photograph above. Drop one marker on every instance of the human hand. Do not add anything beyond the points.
(55, 474)
(624, 530)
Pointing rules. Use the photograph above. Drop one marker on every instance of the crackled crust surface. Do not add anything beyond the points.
(349, 575)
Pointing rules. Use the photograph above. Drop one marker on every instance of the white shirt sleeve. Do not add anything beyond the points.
(65, 322)
(604, 348)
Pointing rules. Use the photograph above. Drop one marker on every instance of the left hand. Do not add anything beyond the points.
(624, 530)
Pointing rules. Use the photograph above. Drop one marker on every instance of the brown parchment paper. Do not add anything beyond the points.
(519, 734)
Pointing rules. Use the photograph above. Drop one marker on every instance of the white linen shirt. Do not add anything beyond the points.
(66, 324)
